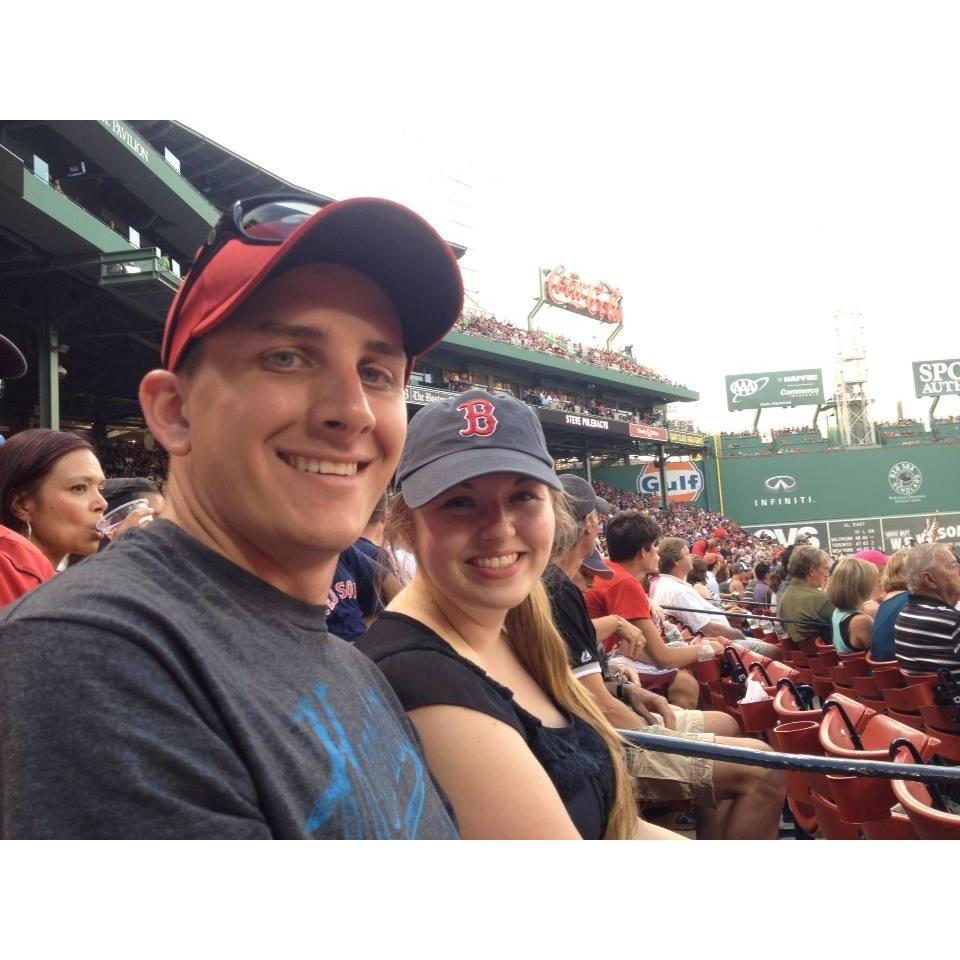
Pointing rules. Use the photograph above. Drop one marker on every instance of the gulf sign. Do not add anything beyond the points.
(684, 481)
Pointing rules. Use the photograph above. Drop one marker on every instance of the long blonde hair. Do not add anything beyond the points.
(543, 654)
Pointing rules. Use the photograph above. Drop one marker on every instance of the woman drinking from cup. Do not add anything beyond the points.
(50, 486)
(469, 645)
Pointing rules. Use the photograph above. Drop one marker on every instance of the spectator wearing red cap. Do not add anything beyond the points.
(182, 683)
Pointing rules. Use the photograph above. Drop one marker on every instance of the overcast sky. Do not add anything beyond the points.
(742, 172)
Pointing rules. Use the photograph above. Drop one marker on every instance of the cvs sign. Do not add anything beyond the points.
(787, 536)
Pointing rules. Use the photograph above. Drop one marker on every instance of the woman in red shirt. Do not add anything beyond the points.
(50, 503)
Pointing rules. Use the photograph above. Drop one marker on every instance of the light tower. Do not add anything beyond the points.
(852, 402)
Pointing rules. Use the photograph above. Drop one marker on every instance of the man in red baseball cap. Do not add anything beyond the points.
(205, 697)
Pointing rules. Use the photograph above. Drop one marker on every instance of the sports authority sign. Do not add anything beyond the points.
(598, 301)
(936, 378)
(786, 388)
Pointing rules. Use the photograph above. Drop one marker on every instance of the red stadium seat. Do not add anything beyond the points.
(867, 687)
(822, 662)
(829, 822)
(910, 698)
(877, 666)
(895, 827)
(853, 731)
(799, 736)
(789, 709)
(917, 801)
(949, 747)
(937, 717)
(887, 679)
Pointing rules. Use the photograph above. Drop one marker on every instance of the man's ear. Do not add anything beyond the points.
(162, 399)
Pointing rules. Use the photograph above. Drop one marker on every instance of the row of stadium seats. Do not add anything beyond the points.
(821, 703)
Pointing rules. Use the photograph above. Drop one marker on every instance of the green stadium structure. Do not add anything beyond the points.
(99, 219)
(879, 497)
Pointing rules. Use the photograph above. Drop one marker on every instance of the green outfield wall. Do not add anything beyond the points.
(847, 500)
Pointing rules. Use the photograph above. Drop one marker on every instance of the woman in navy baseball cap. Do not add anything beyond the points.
(470, 647)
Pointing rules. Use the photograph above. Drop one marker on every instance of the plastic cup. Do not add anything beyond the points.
(109, 522)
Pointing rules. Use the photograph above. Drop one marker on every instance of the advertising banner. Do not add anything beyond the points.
(581, 421)
(591, 424)
(843, 537)
(936, 378)
(688, 439)
(421, 396)
(596, 301)
(640, 431)
(814, 534)
(869, 482)
(785, 388)
(684, 481)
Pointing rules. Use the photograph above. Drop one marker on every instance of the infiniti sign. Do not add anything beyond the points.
(780, 483)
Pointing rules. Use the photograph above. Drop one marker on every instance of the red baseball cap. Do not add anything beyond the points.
(385, 241)
(718, 533)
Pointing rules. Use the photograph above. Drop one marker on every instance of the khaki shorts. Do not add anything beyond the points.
(667, 777)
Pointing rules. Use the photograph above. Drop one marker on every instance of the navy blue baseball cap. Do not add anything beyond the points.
(595, 563)
(471, 435)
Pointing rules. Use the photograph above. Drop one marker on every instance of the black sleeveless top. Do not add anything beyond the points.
(424, 670)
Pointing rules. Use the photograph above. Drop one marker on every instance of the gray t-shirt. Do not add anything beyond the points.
(158, 690)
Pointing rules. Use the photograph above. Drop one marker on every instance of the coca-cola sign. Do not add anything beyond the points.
(599, 301)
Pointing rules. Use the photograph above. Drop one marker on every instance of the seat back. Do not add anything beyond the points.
(843, 721)
(910, 698)
(915, 797)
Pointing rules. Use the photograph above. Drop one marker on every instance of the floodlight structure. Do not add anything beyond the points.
(852, 403)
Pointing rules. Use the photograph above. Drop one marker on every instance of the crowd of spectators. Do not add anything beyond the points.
(124, 458)
(902, 422)
(685, 426)
(690, 523)
(789, 431)
(567, 402)
(479, 324)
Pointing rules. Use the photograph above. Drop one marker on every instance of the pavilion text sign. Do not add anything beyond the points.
(936, 378)
(126, 136)
(784, 388)
(598, 301)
